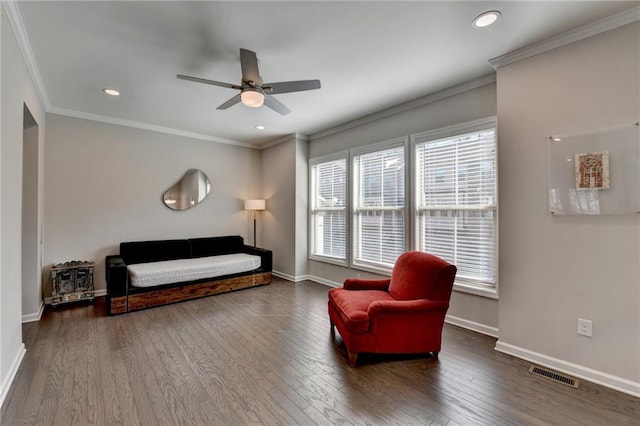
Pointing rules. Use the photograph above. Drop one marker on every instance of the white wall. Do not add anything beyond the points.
(17, 90)
(556, 269)
(105, 183)
(471, 311)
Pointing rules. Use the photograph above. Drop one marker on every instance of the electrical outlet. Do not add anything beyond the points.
(585, 327)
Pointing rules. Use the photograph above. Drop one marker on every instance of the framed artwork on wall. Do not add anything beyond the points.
(592, 170)
(596, 172)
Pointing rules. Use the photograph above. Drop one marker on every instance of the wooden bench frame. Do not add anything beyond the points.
(180, 293)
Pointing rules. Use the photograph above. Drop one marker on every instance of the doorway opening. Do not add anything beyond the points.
(31, 280)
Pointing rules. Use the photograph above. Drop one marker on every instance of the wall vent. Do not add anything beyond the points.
(566, 380)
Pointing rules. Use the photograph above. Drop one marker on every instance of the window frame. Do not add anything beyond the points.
(403, 142)
(465, 286)
(342, 155)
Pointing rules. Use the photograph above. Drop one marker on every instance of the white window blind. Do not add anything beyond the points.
(379, 207)
(328, 209)
(457, 203)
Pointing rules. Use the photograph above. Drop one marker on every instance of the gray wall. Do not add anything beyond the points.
(278, 189)
(16, 90)
(477, 312)
(104, 185)
(556, 269)
(284, 187)
(301, 206)
(31, 283)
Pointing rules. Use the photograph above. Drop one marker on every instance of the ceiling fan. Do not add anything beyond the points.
(253, 93)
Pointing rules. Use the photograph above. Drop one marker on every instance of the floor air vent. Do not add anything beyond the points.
(554, 376)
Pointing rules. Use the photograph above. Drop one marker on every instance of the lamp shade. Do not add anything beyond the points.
(254, 204)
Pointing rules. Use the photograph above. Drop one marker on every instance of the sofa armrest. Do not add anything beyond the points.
(266, 256)
(363, 284)
(116, 276)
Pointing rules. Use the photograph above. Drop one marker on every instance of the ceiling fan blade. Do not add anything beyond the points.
(249, 64)
(291, 86)
(205, 81)
(231, 102)
(276, 105)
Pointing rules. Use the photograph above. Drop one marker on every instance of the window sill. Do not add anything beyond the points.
(380, 270)
(491, 293)
(331, 260)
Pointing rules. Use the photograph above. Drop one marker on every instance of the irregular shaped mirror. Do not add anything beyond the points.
(192, 188)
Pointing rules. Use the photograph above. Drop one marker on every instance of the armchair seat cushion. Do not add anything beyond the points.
(352, 306)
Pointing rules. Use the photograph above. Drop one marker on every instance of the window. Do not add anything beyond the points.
(456, 201)
(328, 208)
(360, 203)
(379, 205)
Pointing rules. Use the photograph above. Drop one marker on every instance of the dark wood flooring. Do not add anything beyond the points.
(265, 356)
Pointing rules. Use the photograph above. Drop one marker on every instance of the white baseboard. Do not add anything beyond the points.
(306, 277)
(324, 281)
(472, 325)
(594, 376)
(35, 316)
(6, 383)
(284, 276)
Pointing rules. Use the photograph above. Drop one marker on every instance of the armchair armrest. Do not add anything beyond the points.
(116, 276)
(266, 256)
(363, 284)
(417, 306)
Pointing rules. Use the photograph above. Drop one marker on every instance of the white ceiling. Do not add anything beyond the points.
(368, 55)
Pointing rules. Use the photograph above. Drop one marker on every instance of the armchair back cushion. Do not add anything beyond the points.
(418, 275)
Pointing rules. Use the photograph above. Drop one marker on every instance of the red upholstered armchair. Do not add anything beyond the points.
(403, 314)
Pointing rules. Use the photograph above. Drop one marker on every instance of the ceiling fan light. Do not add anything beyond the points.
(252, 98)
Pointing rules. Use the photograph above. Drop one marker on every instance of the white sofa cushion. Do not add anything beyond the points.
(174, 271)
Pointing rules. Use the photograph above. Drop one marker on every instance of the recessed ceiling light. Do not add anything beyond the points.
(485, 19)
(260, 127)
(112, 92)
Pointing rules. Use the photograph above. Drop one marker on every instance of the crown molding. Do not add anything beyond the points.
(602, 25)
(406, 106)
(285, 138)
(145, 126)
(278, 141)
(15, 19)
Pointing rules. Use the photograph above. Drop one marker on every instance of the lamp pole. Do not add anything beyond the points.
(254, 228)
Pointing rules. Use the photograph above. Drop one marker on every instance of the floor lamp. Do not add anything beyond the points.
(254, 205)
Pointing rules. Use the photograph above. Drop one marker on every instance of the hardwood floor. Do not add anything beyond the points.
(265, 356)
